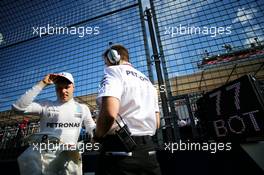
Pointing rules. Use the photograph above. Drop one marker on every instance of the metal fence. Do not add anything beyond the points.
(202, 46)
(185, 47)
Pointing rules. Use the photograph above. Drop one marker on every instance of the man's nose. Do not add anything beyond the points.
(62, 90)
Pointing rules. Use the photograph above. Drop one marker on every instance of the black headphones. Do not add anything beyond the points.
(112, 56)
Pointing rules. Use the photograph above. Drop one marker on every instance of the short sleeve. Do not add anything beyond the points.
(111, 84)
(88, 120)
(156, 101)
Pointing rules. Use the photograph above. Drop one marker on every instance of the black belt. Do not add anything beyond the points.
(112, 146)
(114, 153)
(137, 139)
(142, 139)
(113, 143)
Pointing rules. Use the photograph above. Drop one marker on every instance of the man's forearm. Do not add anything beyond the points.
(108, 112)
(158, 119)
(25, 100)
(103, 125)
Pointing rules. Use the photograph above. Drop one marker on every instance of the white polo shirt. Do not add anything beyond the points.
(138, 98)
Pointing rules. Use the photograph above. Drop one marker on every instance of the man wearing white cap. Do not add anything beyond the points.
(61, 119)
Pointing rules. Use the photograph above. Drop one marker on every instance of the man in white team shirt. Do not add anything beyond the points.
(128, 93)
(61, 119)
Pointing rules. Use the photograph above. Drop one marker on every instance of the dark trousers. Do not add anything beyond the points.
(143, 160)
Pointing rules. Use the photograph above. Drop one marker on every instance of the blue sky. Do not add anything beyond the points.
(244, 20)
(82, 55)
(25, 63)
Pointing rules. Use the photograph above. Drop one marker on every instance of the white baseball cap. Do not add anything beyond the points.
(67, 75)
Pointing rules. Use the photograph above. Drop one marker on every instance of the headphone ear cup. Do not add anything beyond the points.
(113, 56)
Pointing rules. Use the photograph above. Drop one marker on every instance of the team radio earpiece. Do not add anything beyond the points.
(113, 56)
